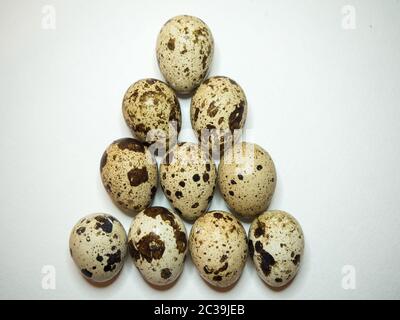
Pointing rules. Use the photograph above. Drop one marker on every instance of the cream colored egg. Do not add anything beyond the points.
(218, 246)
(188, 178)
(158, 244)
(218, 112)
(129, 174)
(152, 111)
(98, 246)
(276, 245)
(185, 49)
(247, 179)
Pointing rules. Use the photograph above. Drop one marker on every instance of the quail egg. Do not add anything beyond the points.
(151, 110)
(129, 174)
(157, 242)
(218, 112)
(247, 179)
(185, 48)
(98, 246)
(218, 246)
(188, 178)
(276, 245)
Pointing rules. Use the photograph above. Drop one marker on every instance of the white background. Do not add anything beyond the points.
(323, 100)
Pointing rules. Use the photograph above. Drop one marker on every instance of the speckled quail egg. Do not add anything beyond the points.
(129, 174)
(158, 244)
(276, 245)
(218, 246)
(151, 110)
(188, 179)
(98, 246)
(185, 49)
(247, 179)
(218, 112)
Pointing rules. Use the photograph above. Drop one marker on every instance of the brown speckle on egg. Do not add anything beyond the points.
(138, 176)
(165, 273)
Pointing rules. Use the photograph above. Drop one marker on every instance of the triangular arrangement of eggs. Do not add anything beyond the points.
(157, 239)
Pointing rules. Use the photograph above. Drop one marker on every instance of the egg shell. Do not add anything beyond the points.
(276, 245)
(129, 174)
(247, 179)
(218, 246)
(188, 178)
(152, 111)
(218, 112)
(157, 243)
(98, 246)
(185, 49)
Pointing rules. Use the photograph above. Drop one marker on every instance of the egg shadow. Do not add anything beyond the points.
(243, 219)
(278, 289)
(185, 96)
(161, 287)
(190, 94)
(126, 212)
(240, 218)
(103, 284)
(130, 214)
(221, 289)
(218, 199)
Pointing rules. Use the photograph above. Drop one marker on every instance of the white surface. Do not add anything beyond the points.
(323, 100)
